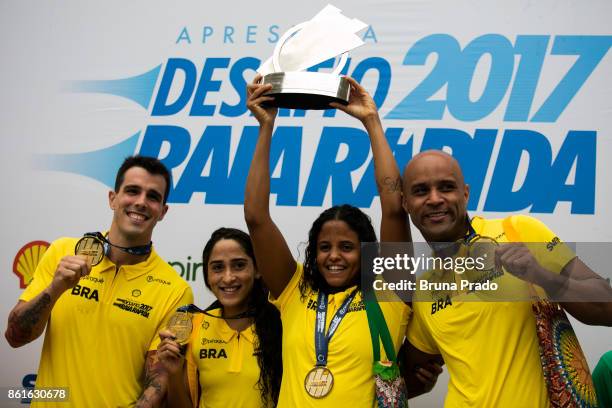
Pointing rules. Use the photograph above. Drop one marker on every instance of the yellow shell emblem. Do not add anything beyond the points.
(27, 259)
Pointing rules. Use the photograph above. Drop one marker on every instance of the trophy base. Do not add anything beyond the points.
(306, 90)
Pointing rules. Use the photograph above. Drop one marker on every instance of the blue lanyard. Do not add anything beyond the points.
(136, 250)
(322, 340)
(465, 240)
(471, 232)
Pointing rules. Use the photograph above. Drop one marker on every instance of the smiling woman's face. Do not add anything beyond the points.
(231, 275)
(338, 254)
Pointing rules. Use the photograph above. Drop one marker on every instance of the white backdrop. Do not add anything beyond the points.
(519, 90)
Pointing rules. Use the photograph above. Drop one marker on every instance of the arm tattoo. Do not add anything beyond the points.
(21, 325)
(392, 185)
(142, 401)
(154, 383)
(153, 392)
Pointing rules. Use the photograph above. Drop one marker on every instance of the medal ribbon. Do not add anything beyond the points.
(465, 240)
(321, 339)
(136, 250)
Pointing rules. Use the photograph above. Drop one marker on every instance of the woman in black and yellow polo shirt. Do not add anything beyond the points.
(234, 352)
(327, 348)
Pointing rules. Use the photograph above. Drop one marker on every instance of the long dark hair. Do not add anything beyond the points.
(356, 219)
(268, 325)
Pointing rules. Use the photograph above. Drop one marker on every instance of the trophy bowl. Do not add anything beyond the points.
(306, 90)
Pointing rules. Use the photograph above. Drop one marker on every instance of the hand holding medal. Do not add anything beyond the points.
(174, 339)
(88, 252)
(181, 326)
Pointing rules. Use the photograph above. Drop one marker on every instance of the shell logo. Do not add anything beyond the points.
(27, 259)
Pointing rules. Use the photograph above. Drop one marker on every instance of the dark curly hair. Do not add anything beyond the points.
(268, 325)
(356, 219)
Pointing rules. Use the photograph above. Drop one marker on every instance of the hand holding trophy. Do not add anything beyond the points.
(307, 44)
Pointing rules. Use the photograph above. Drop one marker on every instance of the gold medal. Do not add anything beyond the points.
(319, 382)
(92, 248)
(180, 325)
(482, 249)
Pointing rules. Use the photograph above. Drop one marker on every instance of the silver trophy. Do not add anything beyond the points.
(298, 89)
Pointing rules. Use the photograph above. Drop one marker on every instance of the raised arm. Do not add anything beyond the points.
(394, 226)
(28, 319)
(274, 259)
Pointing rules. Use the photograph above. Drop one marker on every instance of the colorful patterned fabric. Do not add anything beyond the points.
(566, 371)
(390, 386)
